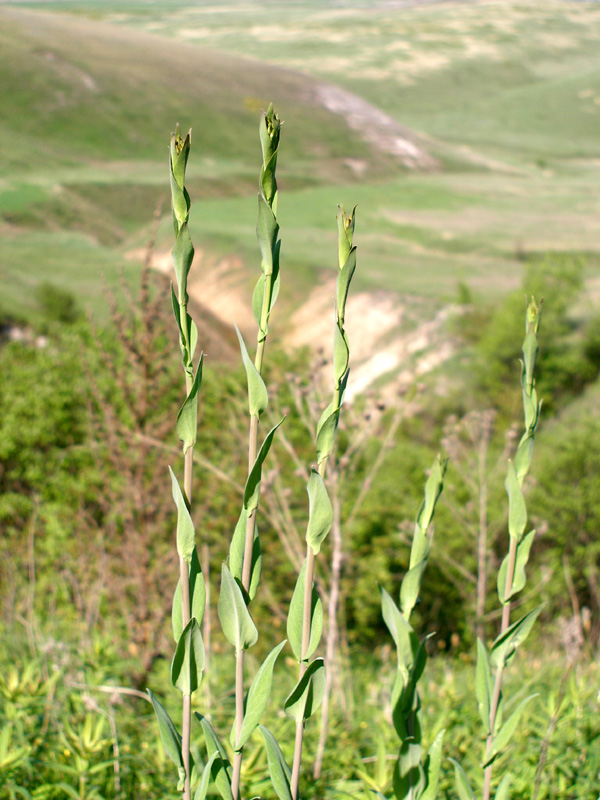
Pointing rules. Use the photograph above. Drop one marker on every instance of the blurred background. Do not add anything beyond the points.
(467, 133)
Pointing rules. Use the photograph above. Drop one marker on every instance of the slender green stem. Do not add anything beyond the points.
(306, 624)
(186, 725)
(239, 719)
(510, 572)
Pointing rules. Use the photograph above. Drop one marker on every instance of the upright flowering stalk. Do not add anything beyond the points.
(416, 773)
(241, 576)
(305, 618)
(190, 595)
(511, 581)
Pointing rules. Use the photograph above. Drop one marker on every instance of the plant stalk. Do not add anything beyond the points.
(510, 572)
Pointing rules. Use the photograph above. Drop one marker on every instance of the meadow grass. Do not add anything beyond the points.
(509, 108)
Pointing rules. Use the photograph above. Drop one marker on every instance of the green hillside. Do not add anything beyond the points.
(84, 133)
(505, 95)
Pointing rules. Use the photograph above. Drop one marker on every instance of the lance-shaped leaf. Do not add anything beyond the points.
(281, 774)
(320, 514)
(345, 224)
(221, 768)
(187, 418)
(484, 685)
(326, 429)
(206, 778)
(502, 792)
(258, 296)
(410, 588)
(169, 734)
(197, 597)
(266, 232)
(308, 693)
(252, 489)
(258, 697)
(236, 554)
(409, 697)
(186, 536)
(433, 489)
(506, 732)
(432, 767)
(179, 154)
(463, 787)
(409, 775)
(236, 622)
(506, 644)
(341, 355)
(258, 399)
(295, 620)
(405, 639)
(519, 578)
(517, 511)
(343, 285)
(180, 204)
(183, 255)
(189, 335)
(530, 352)
(189, 659)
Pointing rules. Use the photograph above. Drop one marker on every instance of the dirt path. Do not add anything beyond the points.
(376, 127)
(393, 342)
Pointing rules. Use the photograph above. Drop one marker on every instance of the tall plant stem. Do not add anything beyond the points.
(306, 619)
(510, 572)
(249, 539)
(332, 628)
(239, 719)
(482, 540)
(184, 576)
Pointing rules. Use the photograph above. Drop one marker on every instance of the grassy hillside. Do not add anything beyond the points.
(84, 134)
(506, 96)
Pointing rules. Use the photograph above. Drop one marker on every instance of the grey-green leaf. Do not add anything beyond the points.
(410, 588)
(463, 787)
(258, 398)
(187, 418)
(506, 644)
(506, 732)
(520, 577)
(296, 617)
(169, 734)
(189, 659)
(202, 789)
(434, 763)
(279, 771)
(236, 622)
(183, 255)
(186, 536)
(236, 554)
(483, 685)
(221, 769)
(502, 792)
(405, 639)
(252, 489)
(341, 355)
(266, 232)
(343, 284)
(320, 515)
(308, 693)
(517, 511)
(197, 597)
(258, 697)
(326, 433)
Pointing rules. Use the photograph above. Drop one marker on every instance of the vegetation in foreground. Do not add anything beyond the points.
(85, 561)
(102, 486)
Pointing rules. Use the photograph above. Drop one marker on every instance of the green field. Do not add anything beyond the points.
(505, 97)
(467, 134)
